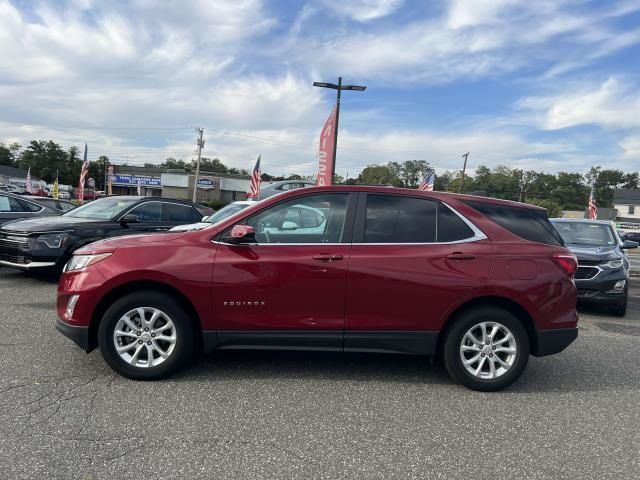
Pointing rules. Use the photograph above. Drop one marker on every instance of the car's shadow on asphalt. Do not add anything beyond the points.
(577, 369)
(352, 367)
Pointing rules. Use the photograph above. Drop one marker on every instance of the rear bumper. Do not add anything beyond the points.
(80, 335)
(549, 342)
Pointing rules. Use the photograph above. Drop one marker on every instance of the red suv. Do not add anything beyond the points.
(481, 282)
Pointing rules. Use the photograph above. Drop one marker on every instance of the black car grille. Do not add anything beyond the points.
(586, 273)
(5, 257)
(589, 263)
(586, 292)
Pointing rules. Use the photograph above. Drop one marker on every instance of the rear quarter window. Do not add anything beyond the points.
(530, 224)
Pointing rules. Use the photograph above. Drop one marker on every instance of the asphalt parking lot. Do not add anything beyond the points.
(311, 415)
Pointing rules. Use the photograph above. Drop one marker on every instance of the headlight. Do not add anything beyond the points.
(78, 262)
(52, 240)
(612, 264)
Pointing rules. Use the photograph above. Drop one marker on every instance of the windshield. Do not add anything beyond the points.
(592, 234)
(103, 208)
(225, 212)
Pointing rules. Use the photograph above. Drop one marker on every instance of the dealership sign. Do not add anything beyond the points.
(206, 183)
(134, 180)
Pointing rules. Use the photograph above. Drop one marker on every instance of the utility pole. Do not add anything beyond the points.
(200, 147)
(522, 184)
(339, 87)
(105, 175)
(464, 169)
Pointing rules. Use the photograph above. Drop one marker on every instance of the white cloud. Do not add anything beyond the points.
(483, 38)
(631, 147)
(363, 10)
(612, 104)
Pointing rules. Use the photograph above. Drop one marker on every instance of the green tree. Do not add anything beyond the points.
(44, 158)
(172, 163)
(554, 209)
(378, 175)
(212, 165)
(9, 154)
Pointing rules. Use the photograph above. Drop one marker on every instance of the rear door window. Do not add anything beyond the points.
(451, 228)
(398, 219)
(181, 213)
(527, 223)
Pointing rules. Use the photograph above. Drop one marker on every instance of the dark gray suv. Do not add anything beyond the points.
(603, 267)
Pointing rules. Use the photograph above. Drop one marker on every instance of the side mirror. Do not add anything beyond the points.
(241, 234)
(628, 244)
(204, 219)
(130, 218)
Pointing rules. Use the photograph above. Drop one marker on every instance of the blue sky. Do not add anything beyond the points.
(546, 85)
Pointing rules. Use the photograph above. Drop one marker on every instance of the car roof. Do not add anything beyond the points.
(442, 196)
(580, 220)
(284, 182)
(151, 199)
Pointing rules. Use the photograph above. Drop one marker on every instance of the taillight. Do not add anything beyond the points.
(567, 262)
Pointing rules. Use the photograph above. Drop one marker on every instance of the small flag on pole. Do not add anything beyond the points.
(593, 207)
(256, 178)
(427, 182)
(29, 186)
(84, 171)
(56, 188)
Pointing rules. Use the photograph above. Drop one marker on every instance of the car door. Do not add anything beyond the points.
(288, 288)
(412, 259)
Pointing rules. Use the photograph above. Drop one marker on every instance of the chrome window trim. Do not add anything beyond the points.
(478, 235)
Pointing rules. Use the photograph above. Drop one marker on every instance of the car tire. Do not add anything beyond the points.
(150, 349)
(621, 309)
(481, 366)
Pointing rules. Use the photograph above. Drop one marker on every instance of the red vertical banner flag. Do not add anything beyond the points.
(326, 151)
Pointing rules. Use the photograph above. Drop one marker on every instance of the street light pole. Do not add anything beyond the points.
(339, 87)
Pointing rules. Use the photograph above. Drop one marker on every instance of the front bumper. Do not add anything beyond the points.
(26, 253)
(600, 289)
(549, 342)
(79, 334)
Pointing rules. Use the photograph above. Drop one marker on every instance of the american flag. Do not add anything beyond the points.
(29, 186)
(593, 207)
(84, 171)
(255, 180)
(427, 182)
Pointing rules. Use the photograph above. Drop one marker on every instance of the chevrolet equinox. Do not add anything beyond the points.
(481, 283)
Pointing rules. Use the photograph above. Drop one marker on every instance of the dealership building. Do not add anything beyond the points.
(158, 182)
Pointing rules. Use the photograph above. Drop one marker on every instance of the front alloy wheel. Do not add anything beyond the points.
(146, 335)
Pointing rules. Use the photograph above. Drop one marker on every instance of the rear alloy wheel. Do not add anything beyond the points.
(145, 336)
(486, 349)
